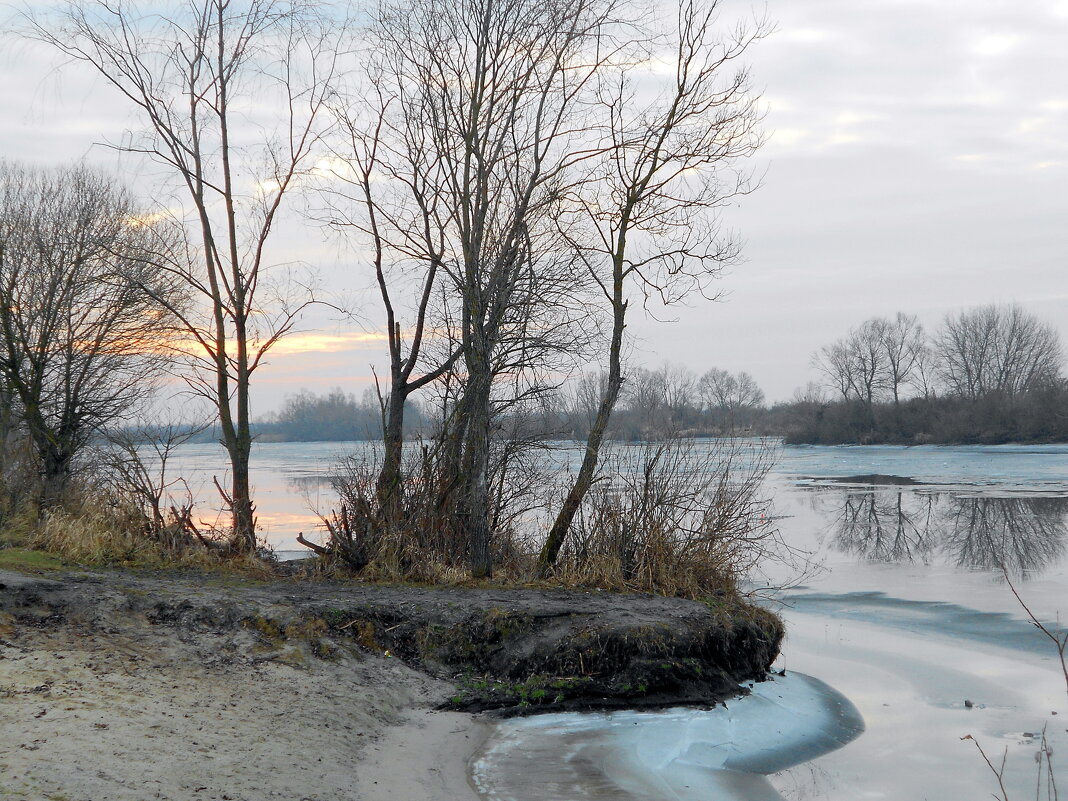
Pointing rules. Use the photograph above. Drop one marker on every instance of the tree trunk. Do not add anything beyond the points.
(237, 439)
(243, 510)
(562, 525)
(474, 500)
(390, 477)
(55, 474)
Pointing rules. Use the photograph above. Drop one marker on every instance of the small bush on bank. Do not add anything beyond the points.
(680, 518)
(677, 518)
(416, 540)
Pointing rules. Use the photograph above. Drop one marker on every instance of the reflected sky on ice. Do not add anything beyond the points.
(668, 756)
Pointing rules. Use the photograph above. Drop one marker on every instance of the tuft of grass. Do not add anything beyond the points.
(102, 531)
(95, 532)
(27, 560)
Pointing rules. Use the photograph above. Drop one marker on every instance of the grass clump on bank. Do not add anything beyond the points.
(96, 527)
(679, 518)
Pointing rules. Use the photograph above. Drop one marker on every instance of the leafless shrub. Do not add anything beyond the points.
(675, 518)
(420, 543)
(679, 518)
(136, 466)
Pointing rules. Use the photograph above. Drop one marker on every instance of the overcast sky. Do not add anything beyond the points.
(917, 161)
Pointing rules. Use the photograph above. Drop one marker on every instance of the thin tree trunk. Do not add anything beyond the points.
(588, 471)
(237, 440)
(474, 510)
(390, 478)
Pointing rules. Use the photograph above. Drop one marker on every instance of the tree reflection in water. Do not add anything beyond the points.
(894, 524)
(1017, 534)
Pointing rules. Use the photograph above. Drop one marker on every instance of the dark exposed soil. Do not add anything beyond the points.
(514, 650)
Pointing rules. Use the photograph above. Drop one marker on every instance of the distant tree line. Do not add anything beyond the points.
(988, 374)
(661, 403)
(331, 417)
(655, 404)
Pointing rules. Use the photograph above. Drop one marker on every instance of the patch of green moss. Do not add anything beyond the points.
(538, 690)
(26, 560)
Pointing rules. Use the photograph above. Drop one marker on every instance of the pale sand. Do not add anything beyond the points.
(121, 716)
(425, 759)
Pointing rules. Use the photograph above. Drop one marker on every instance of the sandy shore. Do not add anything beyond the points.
(136, 714)
(124, 686)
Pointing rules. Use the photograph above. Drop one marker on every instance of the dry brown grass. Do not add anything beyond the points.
(676, 518)
(93, 530)
(98, 529)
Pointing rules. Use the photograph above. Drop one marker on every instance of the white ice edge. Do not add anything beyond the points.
(674, 755)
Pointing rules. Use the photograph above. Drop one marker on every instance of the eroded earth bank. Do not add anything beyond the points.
(131, 686)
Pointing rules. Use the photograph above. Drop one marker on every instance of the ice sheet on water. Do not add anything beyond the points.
(999, 629)
(674, 755)
(1037, 467)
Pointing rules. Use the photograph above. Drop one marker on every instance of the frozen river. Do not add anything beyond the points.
(903, 638)
(912, 619)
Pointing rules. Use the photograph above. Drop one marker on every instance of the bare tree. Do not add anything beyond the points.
(648, 218)
(729, 394)
(476, 126)
(904, 344)
(679, 387)
(713, 386)
(584, 396)
(871, 362)
(859, 365)
(79, 330)
(196, 74)
(877, 357)
(812, 394)
(383, 188)
(645, 398)
(839, 369)
(997, 349)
